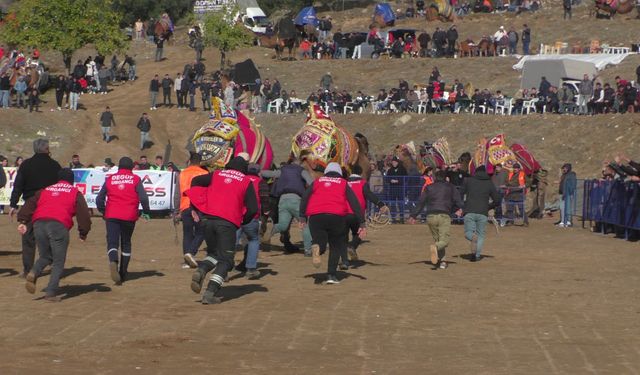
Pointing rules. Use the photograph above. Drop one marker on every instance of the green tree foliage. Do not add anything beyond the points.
(269, 6)
(221, 32)
(146, 9)
(63, 26)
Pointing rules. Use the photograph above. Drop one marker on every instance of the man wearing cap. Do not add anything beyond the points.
(481, 196)
(34, 174)
(51, 211)
(325, 204)
(192, 232)
(440, 198)
(223, 200)
(118, 201)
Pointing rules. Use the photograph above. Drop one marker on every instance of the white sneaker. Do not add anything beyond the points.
(185, 266)
(568, 225)
(562, 225)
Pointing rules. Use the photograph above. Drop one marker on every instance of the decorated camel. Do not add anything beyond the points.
(228, 133)
(328, 142)
(494, 151)
(609, 8)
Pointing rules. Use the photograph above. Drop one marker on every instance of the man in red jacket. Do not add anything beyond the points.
(224, 200)
(326, 203)
(51, 211)
(118, 201)
(362, 191)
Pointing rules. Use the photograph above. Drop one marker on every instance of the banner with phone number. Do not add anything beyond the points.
(159, 186)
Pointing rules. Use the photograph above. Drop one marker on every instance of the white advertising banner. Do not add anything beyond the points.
(206, 6)
(159, 186)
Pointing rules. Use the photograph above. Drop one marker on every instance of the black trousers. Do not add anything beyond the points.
(28, 249)
(119, 233)
(327, 229)
(353, 225)
(166, 96)
(220, 236)
(192, 233)
(59, 97)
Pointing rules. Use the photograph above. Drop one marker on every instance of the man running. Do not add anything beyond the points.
(224, 200)
(362, 191)
(51, 213)
(481, 196)
(440, 198)
(118, 201)
(192, 232)
(326, 203)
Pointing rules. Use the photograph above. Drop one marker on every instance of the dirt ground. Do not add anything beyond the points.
(544, 301)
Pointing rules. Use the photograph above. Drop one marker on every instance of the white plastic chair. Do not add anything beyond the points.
(348, 108)
(504, 107)
(422, 107)
(529, 105)
(274, 106)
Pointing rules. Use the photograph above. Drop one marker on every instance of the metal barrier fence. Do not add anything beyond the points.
(612, 202)
(403, 197)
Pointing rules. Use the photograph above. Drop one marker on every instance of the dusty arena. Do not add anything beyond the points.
(544, 300)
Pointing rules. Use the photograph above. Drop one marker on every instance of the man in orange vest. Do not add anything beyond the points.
(51, 210)
(515, 196)
(192, 232)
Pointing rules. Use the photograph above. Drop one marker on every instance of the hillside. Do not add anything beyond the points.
(554, 139)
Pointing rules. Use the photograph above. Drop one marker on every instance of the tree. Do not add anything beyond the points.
(221, 32)
(145, 9)
(64, 26)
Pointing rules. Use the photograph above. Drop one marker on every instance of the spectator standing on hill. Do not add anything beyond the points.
(513, 41)
(103, 78)
(114, 67)
(139, 28)
(199, 47)
(167, 83)
(193, 85)
(452, 37)
(144, 125)
(34, 100)
(20, 87)
(154, 88)
(439, 41)
(5, 90)
(424, 39)
(229, 98)
(74, 95)
(177, 86)
(585, 92)
(106, 121)
(159, 48)
(566, 5)
(526, 39)
(132, 67)
(34, 174)
(205, 93)
(61, 86)
(326, 81)
(79, 69)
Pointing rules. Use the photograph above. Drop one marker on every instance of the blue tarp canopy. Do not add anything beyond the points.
(307, 16)
(384, 10)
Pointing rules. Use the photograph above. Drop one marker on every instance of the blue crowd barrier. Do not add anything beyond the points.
(612, 202)
(403, 198)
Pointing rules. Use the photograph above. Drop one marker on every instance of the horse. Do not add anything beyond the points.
(486, 47)
(467, 48)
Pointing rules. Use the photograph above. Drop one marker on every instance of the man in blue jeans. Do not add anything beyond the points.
(480, 195)
(567, 191)
(251, 230)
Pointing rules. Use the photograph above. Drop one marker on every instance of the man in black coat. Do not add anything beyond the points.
(452, 37)
(395, 177)
(144, 125)
(34, 174)
(439, 41)
(481, 196)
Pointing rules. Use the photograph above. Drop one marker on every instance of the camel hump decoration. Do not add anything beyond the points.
(440, 9)
(328, 142)
(495, 151)
(228, 133)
